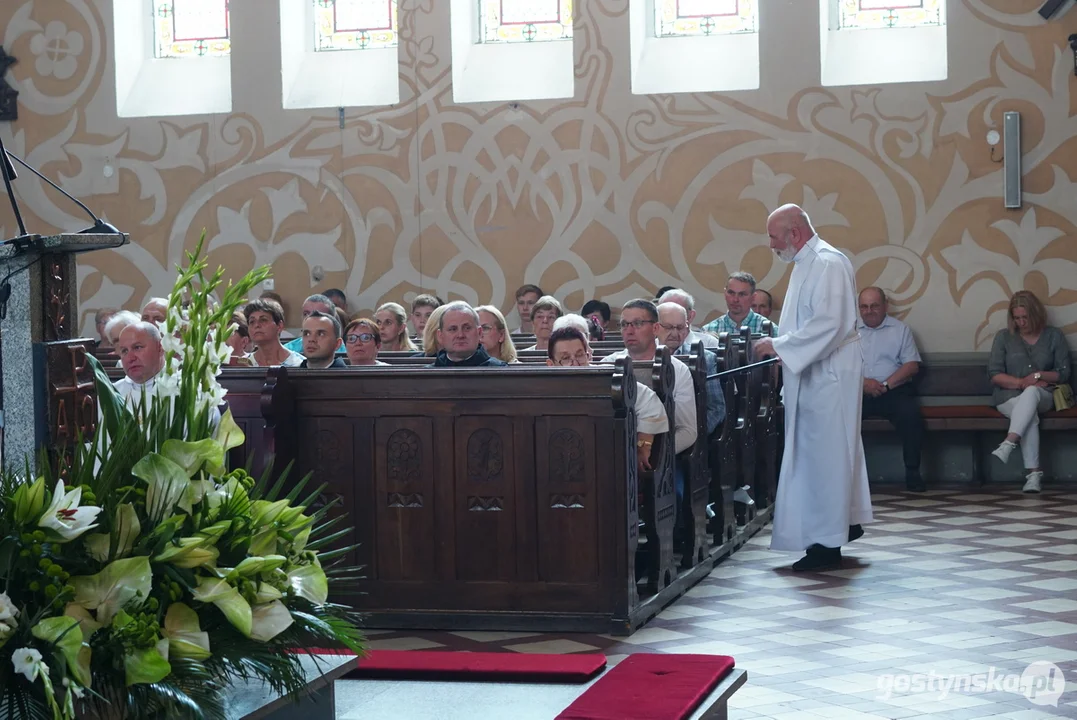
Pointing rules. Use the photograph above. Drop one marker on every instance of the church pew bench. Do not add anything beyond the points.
(956, 397)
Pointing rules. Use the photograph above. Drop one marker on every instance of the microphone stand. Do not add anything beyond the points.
(746, 368)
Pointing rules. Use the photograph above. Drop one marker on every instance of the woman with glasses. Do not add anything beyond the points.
(393, 326)
(362, 342)
(493, 335)
(543, 315)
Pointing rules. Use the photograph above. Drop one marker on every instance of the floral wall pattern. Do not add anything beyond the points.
(606, 195)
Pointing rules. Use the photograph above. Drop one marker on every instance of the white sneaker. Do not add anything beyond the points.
(1032, 482)
(1002, 452)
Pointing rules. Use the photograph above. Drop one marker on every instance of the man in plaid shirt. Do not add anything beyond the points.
(738, 299)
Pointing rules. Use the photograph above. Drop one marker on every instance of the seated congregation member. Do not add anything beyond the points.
(337, 297)
(321, 338)
(638, 320)
(739, 289)
(155, 311)
(599, 312)
(362, 341)
(1027, 360)
(890, 362)
(313, 303)
(543, 315)
(686, 301)
(100, 320)
(117, 323)
(762, 303)
(673, 332)
(494, 334)
(393, 322)
(421, 307)
(569, 347)
(139, 348)
(265, 323)
(239, 341)
(526, 297)
(458, 336)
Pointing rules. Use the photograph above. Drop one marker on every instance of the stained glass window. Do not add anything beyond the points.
(875, 14)
(704, 17)
(354, 24)
(191, 28)
(510, 21)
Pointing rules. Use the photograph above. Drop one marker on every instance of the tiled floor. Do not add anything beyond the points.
(945, 585)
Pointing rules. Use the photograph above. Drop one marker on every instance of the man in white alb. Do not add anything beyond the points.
(823, 495)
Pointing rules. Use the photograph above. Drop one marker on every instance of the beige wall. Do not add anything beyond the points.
(608, 195)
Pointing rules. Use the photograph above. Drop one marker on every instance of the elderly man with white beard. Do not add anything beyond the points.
(823, 495)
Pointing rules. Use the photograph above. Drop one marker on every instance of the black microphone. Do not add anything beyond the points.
(99, 227)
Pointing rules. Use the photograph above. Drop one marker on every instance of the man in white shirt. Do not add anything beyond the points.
(890, 362)
(638, 321)
(155, 311)
(686, 301)
(139, 348)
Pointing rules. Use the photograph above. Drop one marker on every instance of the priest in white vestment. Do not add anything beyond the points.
(139, 348)
(823, 495)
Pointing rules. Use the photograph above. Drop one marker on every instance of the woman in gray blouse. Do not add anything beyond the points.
(1027, 360)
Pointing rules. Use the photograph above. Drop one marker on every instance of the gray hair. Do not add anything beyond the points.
(119, 321)
(457, 306)
(332, 318)
(744, 277)
(149, 328)
(156, 301)
(671, 306)
(322, 299)
(678, 294)
(573, 320)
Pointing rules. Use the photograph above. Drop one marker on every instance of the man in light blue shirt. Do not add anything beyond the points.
(738, 300)
(314, 303)
(890, 361)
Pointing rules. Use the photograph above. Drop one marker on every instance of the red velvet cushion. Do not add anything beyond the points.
(651, 687)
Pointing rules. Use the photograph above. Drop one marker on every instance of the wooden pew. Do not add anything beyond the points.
(725, 446)
(492, 498)
(697, 481)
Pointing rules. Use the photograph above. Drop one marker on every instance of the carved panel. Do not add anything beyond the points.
(485, 456)
(566, 457)
(404, 457)
(483, 504)
(566, 502)
(404, 500)
(73, 397)
(57, 289)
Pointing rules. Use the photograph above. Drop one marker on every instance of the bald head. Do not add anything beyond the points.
(789, 228)
(672, 328)
(139, 348)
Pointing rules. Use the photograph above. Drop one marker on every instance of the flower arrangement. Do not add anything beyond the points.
(147, 578)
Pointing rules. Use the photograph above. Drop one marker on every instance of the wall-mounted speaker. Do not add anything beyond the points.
(1011, 152)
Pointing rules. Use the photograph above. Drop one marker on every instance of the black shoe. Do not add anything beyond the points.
(855, 532)
(913, 481)
(818, 559)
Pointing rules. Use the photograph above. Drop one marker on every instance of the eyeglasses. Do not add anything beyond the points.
(577, 359)
(487, 328)
(352, 338)
(637, 324)
(671, 328)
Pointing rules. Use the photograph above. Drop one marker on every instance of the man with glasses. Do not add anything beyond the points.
(321, 338)
(458, 337)
(638, 321)
(672, 331)
(569, 347)
(686, 301)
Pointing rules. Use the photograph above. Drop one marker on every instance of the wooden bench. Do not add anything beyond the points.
(956, 396)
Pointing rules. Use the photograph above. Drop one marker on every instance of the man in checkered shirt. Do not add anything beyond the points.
(738, 299)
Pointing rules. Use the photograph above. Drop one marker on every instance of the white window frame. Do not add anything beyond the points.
(500, 72)
(878, 56)
(712, 63)
(332, 78)
(147, 86)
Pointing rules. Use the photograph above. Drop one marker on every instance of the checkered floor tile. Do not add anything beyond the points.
(946, 589)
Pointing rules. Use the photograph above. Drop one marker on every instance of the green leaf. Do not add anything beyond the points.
(188, 552)
(264, 542)
(228, 600)
(228, 433)
(185, 635)
(125, 529)
(309, 582)
(167, 483)
(66, 634)
(145, 666)
(256, 565)
(85, 619)
(30, 501)
(270, 620)
(191, 456)
(113, 588)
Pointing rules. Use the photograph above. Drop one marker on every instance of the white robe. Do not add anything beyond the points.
(824, 481)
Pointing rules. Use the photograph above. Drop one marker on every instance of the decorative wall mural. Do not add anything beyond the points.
(609, 194)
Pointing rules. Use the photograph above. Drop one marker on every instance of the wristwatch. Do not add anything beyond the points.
(1037, 376)
(886, 384)
(643, 443)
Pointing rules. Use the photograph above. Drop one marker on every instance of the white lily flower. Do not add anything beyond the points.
(8, 611)
(64, 517)
(171, 343)
(28, 662)
(167, 386)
